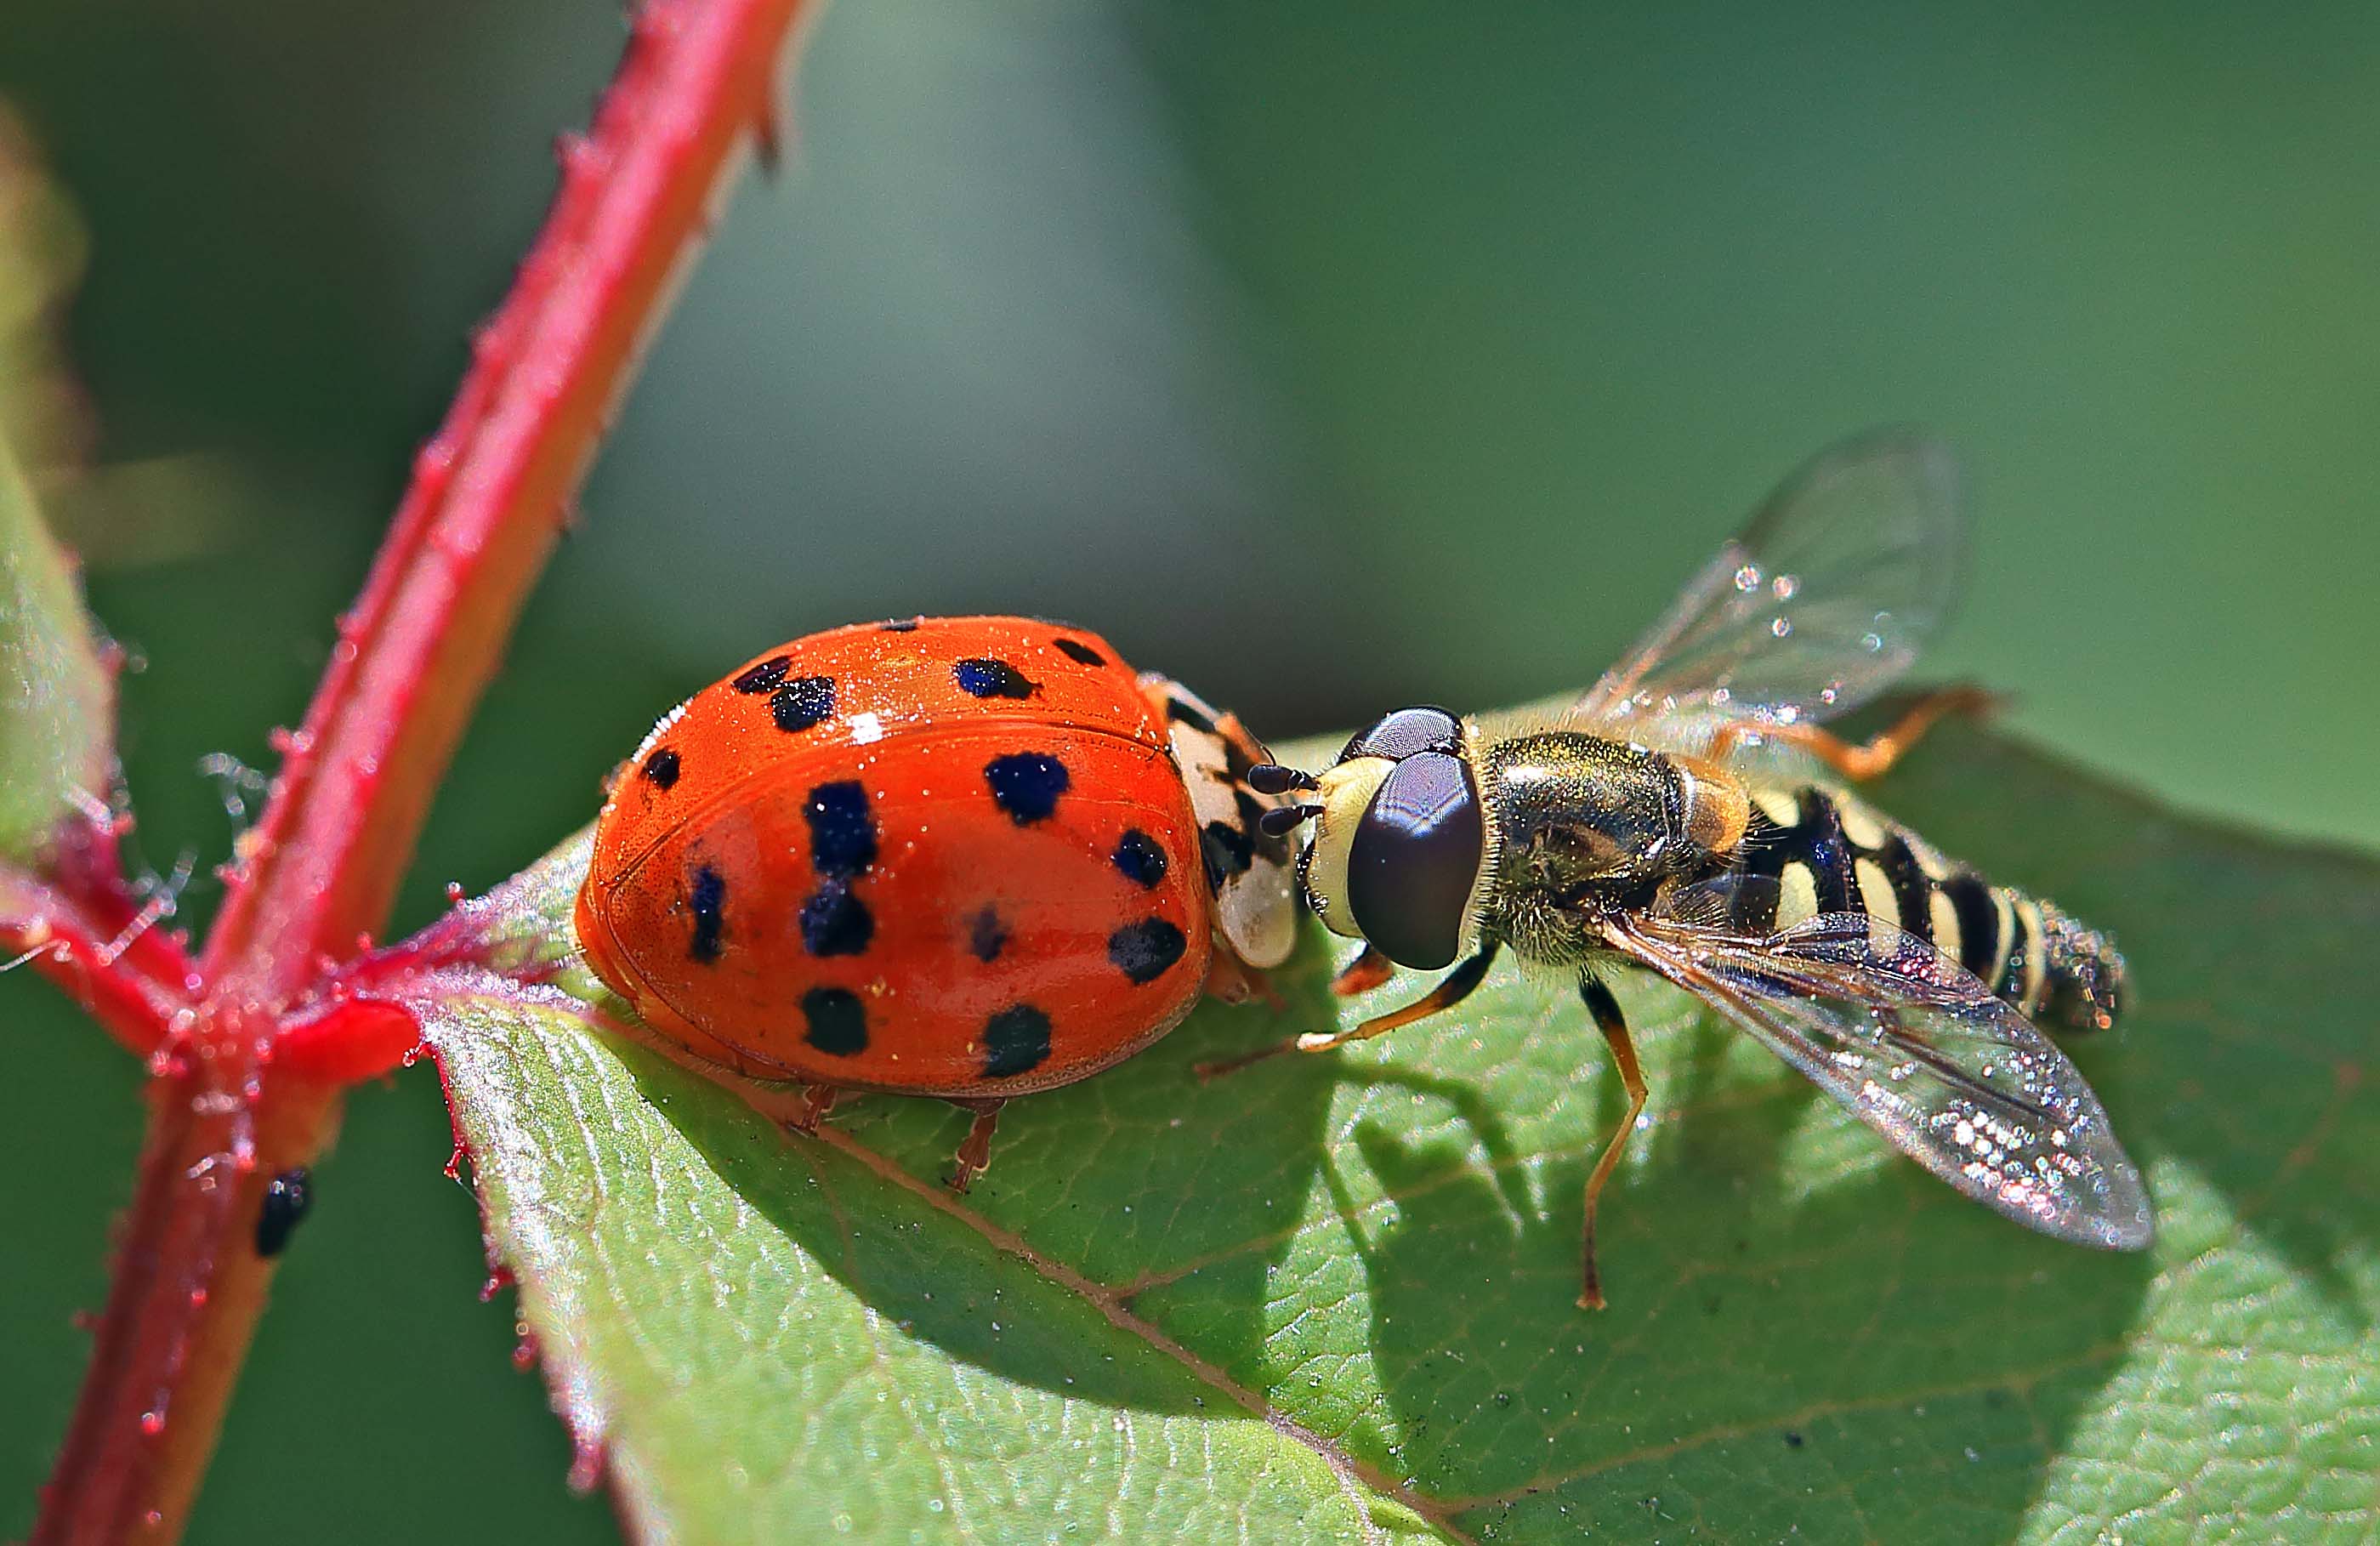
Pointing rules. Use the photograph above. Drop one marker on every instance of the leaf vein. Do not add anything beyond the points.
(1350, 1472)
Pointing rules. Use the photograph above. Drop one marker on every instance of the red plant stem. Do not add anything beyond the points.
(489, 491)
(182, 1307)
(81, 927)
(322, 868)
(111, 984)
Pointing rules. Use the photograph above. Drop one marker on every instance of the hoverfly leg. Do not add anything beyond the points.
(1614, 1026)
(1873, 758)
(1364, 973)
(975, 1149)
(1452, 990)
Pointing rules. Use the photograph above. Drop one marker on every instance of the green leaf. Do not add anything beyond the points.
(56, 697)
(1331, 1299)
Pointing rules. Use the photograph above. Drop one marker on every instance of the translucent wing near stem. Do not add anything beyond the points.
(1823, 601)
(1920, 1050)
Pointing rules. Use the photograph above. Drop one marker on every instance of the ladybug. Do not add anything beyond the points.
(968, 857)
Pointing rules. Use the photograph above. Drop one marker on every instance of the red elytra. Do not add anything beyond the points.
(968, 857)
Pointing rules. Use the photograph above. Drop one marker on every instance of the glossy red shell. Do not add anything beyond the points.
(950, 857)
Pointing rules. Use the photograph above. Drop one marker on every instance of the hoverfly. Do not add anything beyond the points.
(1687, 816)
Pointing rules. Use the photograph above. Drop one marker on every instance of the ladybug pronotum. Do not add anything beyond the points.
(969, 858)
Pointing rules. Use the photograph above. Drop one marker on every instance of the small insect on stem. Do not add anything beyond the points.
(286, 1199)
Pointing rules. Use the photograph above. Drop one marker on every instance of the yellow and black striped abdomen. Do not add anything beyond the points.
(1827, 853)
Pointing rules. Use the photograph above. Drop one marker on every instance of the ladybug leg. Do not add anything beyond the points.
(1452, 990)
(975, 1149)
(1234, 981)
(776, 1100)
(1364, 973)
(817, 1101)
(1230, 979)
(1265, 989)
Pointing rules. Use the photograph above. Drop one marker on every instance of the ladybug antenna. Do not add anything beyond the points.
(1282, 821)
(1271, 778)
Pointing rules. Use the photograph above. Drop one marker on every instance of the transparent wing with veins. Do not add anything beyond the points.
(1823, 601)
(1917, 1049)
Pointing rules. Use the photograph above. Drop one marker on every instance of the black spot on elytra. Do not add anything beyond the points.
(765, 676)
(842, 831)
(661, 770)
(1075, 649)
(1015, 1040)
(802, 702)
(1176, 708)
(1144, 951)
(708, 899)
(1027, 785)
(985, 677)
(899, 624)
(286, 1197)
(1227, 851)
(838, 1021)
(1139, 858)
(987, 936)
(835, 923)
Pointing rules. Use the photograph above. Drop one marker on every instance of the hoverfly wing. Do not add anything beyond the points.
(1919, 1050)
(1821, 603)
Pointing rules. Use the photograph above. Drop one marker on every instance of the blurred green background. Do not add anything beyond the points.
(1330, 356)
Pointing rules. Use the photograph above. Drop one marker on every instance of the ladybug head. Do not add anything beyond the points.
(1400, 840)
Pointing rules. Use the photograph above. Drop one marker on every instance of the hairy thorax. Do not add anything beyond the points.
(1542, 930)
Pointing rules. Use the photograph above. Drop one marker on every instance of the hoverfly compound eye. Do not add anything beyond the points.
(1401, 734)
(1415, 858)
